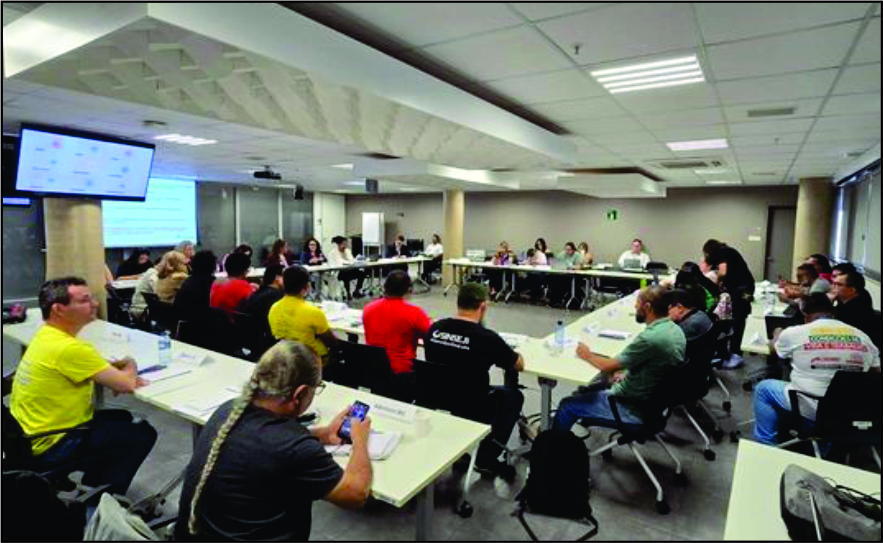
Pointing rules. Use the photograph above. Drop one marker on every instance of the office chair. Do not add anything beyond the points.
(630, 434)
(697, 376)
(251, 339)
(875, 330)
(656, 268)
(357, 365)
(161, 313)
(848, 416)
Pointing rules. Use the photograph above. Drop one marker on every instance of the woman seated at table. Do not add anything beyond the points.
(170, 273)
(137, 263)
(256, 470)
(561, 284)
(503, 257)
(312, 254)
(278, 254)
(243, 249)
(534, 283)
(586, 256)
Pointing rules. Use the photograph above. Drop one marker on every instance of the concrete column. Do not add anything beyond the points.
(74, 243)
(812, 227)
(453, 210)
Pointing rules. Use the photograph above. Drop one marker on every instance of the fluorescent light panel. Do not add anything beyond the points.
(711, 171)
(343, 166)
(651, 75)
(723, 182)
(697, 145)
(185, 140)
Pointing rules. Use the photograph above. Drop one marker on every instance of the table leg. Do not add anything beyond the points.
(319, 286)
(454, 279)
(512, 286)
(585, 304)
(419, 278)
(425, 506)
(572, 291)
(546, 386)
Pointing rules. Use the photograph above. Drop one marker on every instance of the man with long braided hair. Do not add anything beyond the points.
(256, 470)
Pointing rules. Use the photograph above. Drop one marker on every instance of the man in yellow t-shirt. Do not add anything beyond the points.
(295, 319)
(52, 390)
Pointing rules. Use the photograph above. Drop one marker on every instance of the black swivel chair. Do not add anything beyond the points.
(697, 376)
(357, 365)
(162, 313)
(848, 416)
(656, 268)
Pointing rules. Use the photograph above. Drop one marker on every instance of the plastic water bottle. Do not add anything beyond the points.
(165, 349)
(559, 336)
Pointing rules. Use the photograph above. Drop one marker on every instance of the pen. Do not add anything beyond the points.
(149, 369)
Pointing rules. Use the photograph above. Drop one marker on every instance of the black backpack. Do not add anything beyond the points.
(558, 483)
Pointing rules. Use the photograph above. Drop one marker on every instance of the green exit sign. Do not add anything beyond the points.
(612, 214)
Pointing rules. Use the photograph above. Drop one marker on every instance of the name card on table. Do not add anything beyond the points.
(396, 410)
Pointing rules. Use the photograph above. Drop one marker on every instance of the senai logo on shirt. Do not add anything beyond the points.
(834, 338)
(454, 340)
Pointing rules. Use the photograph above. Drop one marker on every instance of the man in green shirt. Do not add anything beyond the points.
(646, 360)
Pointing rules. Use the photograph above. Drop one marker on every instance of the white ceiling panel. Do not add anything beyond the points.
(802, 108)
(573, 110)
(868, 48)
(767, 139)
(839, 136)
(770, 127)
(641, 151)
(490, 56)
(724, 21)
(691, 133)
(766, 150)
(778, 87)
(551, 87)
(603, 126)
(795, 52)
(424, 23)
(858, 79)
(638, 137)
(853, 103)
(849, 122)
(682, 118)
(624, 31)
(692, 96)
(536, 11)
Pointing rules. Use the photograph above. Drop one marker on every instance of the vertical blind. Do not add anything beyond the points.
(856, 225)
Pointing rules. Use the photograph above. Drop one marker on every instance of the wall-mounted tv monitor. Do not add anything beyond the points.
(59, 162)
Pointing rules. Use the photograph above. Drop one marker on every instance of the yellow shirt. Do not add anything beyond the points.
(53, 384)
(293, 318)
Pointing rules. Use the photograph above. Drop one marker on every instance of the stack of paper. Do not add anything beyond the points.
(380, 445)
(164, 373)
(206, 404)
(513, 340)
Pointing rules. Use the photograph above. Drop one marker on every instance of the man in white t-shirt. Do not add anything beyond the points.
(634, 257)
(817, 349)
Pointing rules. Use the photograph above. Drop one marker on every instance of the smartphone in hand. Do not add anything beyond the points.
(358, 410)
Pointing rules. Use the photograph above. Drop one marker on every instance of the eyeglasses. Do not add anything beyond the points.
(320, 387)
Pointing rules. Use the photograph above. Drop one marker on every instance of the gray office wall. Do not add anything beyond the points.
(673, 229)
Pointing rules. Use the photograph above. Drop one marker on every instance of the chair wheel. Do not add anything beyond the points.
(607, 455)
(717, 435)
(662, 508)
(734, 437)
(681, 478)
(727, 406)
(465, 510)
(709, 455)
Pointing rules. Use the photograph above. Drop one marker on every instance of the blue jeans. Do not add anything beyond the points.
(770, 402)
(592, 405)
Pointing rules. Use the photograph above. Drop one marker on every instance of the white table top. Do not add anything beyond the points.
(414, 464)
(754, 512)
(618, 274)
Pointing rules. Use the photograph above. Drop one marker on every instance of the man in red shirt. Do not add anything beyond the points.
(227, 293)
(394, 324)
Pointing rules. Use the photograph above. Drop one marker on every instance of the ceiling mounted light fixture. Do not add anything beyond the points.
(650, 75)
(697, 145)
(185, 140)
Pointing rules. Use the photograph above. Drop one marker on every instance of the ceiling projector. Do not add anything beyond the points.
(267, 173)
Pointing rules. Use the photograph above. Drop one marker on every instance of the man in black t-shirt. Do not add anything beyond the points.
(853, 303)
(463, 341)
(272, 290)
(735, 278)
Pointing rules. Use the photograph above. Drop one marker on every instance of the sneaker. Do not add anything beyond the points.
(734, 362)
(496, 468)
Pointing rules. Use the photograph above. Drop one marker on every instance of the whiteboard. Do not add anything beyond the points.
(372, 228)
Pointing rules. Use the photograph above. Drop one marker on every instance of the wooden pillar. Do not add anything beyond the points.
(812, 227)
(453, 210)
(74, 243)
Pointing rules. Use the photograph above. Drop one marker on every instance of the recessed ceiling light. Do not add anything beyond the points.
(355, 183)
(651, 75)
(723, 182)
(710, 171)
(408, 189)
(343, 166)
(696, 145)
(566, 174)
(185, 140)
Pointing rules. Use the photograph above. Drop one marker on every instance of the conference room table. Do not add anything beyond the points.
(431, 441)
(766, 303)
(754, 512)
(592, 277)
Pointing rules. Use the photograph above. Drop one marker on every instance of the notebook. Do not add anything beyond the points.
(380, 445)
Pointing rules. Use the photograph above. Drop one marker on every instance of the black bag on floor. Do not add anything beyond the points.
(816, 510)
(558, 482)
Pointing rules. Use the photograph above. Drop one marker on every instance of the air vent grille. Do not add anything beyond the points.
(771, 112)
(690, 164)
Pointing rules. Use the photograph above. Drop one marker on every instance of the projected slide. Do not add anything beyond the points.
(167, 217)
(56, 163)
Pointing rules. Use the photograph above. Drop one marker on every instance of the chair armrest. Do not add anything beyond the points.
(611, 399)
(797, 421)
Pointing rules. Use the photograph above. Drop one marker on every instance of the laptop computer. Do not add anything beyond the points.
(476, 255)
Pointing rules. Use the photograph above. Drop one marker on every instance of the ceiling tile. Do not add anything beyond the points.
(798, 51)
(840, 136)
(778, 87)
(572, 110)
(642, 151)
(668, 98)
(723, 21)
(536, 11)
(770, 127)
(868, 48)
(856, 79)
(852, 103)
(603, 126)
(491, 56)
(766, 150)
(424, 23)
(550, 87)
(767, 139)
(848, 122)
(624, 31)
(691, 133)
(802, 108)
(682, 118)
(606, 138)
